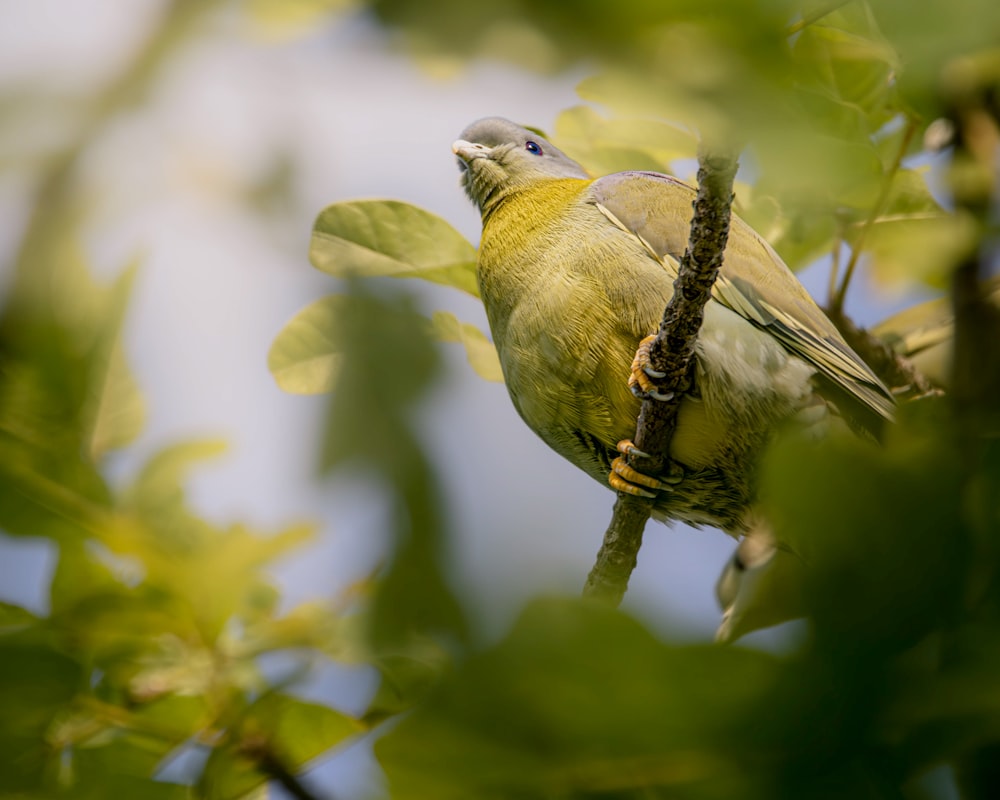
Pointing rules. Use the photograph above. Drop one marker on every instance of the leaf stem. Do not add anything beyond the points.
(837, 299)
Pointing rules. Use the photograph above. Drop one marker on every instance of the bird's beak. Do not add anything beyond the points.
(469, 151)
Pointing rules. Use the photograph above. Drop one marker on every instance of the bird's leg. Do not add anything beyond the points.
(624, 478)
(639, 381)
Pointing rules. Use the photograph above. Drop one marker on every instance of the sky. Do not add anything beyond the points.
(357, 119)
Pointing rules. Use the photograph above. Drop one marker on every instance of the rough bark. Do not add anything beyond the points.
(673, 354)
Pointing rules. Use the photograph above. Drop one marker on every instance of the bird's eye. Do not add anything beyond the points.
(533, 148)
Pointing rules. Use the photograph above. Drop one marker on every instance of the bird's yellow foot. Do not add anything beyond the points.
(639, 381)
(624, 478)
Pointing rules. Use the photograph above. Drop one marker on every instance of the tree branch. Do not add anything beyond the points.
(894, 369)
(975, 378)
(673, 354)
(837, 299)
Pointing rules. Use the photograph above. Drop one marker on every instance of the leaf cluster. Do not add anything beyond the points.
(158, 619)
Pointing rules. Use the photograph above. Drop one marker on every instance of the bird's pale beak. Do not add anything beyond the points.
(469, 151)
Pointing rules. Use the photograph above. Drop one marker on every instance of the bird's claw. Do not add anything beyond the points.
(626, 448)
(624, 478)
(641, 372)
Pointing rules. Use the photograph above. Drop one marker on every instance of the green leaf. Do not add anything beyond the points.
(606, 145)
(925, 247)
(13, 617)
(407, 676)
(844, 57)
(305, 356)
(926, 58)
(390, 360)
(909, 194)
(157, 494)
(36, 686)
(853, 510)
(580, 699)
(293, 14)
(391, 238)
(277, 729)
(78, 576)
(479, 350)
(798, 229)
(298, 730)
(114, 410)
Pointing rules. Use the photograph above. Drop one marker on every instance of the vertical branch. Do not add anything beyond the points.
(672, 353)
(975, 379)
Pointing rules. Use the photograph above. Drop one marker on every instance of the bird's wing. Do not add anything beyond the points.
(754, 281)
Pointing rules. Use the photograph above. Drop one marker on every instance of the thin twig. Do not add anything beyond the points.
(837, 300)
(673, 354)
(831, 288)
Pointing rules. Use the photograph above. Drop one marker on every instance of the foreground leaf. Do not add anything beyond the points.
(479, 350)
(307, 354)
(277, 729)
(579, 698)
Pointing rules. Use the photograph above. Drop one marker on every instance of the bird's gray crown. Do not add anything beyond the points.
(497, 156)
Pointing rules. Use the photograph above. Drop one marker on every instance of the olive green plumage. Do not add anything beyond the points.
(573, 272)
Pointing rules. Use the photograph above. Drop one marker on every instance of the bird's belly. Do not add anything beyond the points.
(566, 364)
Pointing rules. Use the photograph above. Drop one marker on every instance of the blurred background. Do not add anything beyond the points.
(201, 148)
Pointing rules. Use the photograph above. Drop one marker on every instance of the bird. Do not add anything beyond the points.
(574, 273)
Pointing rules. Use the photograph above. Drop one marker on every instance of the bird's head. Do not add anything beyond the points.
(496, 157)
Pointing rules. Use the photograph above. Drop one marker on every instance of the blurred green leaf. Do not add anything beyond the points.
(294, 14)
(299, 729)
(156, 495)
(175, 717)
(909, 194)
(916, 246)
(387, 237)
(407, 676)
(114, 407)
(800, 229)
(579, 700)
(279, 729)
(306, 354)
(605, 145)
(844, 56)
(124, 756)
(389, 362)
(479, 350)
(873, 518)
(36, 683)
(962, 28)
(78, 576)
(66, 397)
(13, 617)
